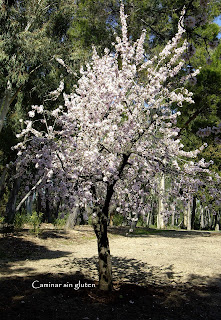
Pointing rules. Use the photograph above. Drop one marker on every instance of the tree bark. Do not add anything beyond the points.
(72, 218)
(29, 203)
(11, 205)
(47, 214)
(6, 102)
(2, 182)
(202, 220)
(112, 211)
(148, 218)
(104, 262)
(207, 218)
(216, 222)
(187, 216)
(100, 228)
(193, 212)
(160, 220)
(173, 219)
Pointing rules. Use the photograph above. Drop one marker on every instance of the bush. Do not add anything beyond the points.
(118, 219)
(19, 220)
(141, 222)
(2, 220)
(36, 219)
(90, 220)
(61, 220)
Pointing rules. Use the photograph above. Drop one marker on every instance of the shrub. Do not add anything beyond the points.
(2, 220)
(118, 219)
(19, 220)
(60, 221)
(141, 222)
(36, 219)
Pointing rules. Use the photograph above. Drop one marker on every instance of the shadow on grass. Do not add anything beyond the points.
(145, 232)
(19, 300)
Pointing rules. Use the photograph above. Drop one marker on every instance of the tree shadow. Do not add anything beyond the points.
(141, 291)
(127, 270)
(43, 233)
(143, 300)
(148, 232)
(54, 234)
(15, 248)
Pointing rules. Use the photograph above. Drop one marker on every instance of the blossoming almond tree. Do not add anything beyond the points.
(113, 139)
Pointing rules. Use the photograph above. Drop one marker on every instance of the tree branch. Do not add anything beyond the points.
(29, 193)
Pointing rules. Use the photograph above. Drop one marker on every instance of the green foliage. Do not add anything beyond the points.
(35, 220)
(2, 219)
(19, 220)
(118, 219)
(140, 222)
(206, 109)
(60, 222)
(95, 22)
(90, 220)
(32, 35)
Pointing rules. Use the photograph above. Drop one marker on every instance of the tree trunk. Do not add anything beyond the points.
(216, 222)
(217, 227)
(11, 205)
(173, 219)
(100, 228)
(160, 213)
(29, 203)
(4, 107)
(202, 221)
(38, 203)
(6, 102)
(148, 218)
(72, 218)
(207, 218)
(48, 211)
(187, 216)
(193, 212)
(2, 182)
(112, 211)
(210, 220)
(105, 268)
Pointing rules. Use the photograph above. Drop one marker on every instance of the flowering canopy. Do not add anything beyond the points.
(115, 134)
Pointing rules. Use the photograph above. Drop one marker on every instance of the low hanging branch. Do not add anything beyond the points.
(29, 193)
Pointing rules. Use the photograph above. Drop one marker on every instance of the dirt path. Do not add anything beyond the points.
(166, 275)
(169, 256)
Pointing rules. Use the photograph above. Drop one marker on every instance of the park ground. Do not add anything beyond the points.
(157, 274)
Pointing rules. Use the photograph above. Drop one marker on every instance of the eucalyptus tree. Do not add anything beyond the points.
(33, 35)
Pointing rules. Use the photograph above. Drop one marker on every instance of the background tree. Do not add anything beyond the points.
(94, 23)
(33, 35)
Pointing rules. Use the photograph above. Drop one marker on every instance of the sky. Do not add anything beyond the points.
(218, 21)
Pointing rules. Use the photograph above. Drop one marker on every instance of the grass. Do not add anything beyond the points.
(146, 231)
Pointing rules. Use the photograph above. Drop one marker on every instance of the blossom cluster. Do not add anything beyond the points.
(206, 132)
(115, 135)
